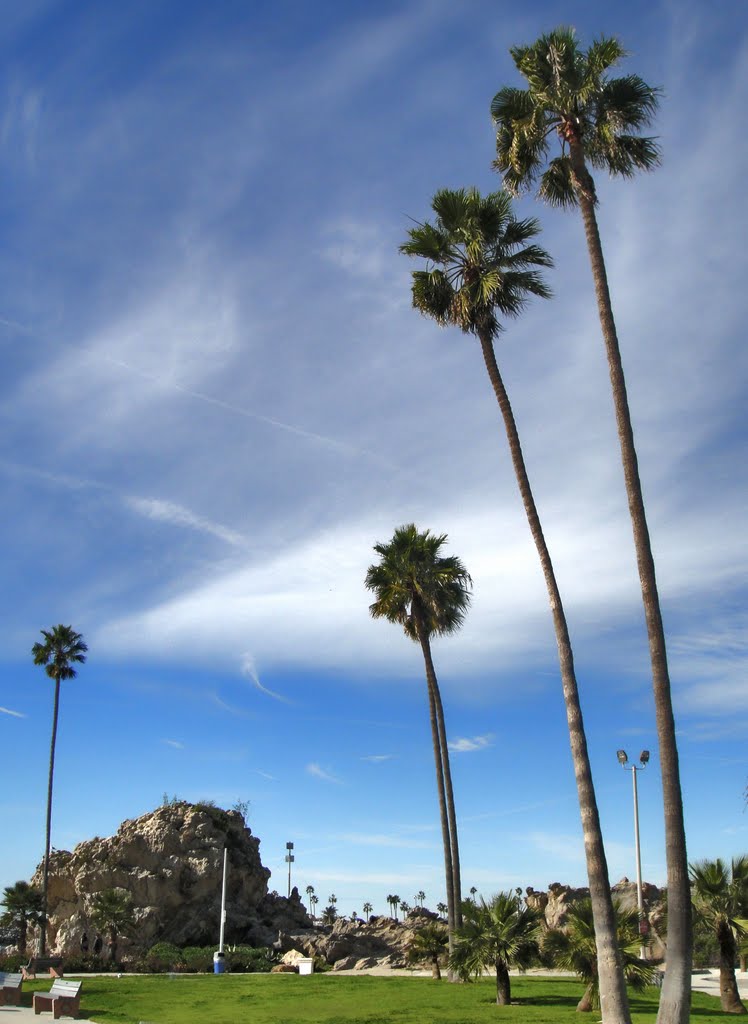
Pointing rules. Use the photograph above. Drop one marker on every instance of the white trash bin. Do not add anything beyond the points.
(306, 965)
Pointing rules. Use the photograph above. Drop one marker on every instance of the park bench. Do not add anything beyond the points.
(10, 989)
(51, 965)
(63, 998)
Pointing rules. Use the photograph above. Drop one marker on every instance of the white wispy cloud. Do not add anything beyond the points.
(377, 758)
(318, 772)
(174, 743)
(466, 744)
(249, 669)
(176, 515)
(382, 839)
(13, 714)
(265, 775)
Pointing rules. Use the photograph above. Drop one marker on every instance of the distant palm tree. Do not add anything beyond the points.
(23, 906)
(720, 899)
(481, 266)
(498, 934)
(430, 943)
(112, 912)
(314, 900)
(367, 909)
(310, 893)
(405, 907)
(473, 891)
(330, 914)
(395, 904)
(596, 120)
(428, 594)
(442, 908)
(573, 948)
(332, 899)
(420, 896)
(61, 650)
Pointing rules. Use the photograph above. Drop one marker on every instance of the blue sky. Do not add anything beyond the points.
(216, 399)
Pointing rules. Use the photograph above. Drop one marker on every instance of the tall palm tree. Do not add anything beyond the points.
(420, 897)
(23, 906)
(501, 934)
(597, 120)
(314, 900)
(429, 943)
(395, 904)
(482, 264)
(720, 898)
(572, 948)
(61, 650)
(112, 912)
(367, 908)
(310, 893)
(428, 594)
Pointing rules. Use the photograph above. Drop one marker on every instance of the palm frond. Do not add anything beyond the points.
(556, 184)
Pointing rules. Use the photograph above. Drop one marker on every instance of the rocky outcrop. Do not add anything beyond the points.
(358, 944)
(171, 863)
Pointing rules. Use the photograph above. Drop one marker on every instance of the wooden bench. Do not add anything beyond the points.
(10, 989)
(63, 998)
(51, 965)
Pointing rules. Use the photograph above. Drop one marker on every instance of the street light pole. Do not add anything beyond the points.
(289, 861)
(634, 768)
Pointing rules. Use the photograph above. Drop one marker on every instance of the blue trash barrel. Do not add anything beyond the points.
(219, 964)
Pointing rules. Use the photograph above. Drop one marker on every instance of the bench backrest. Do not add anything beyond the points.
(69, 989)
(10, 980)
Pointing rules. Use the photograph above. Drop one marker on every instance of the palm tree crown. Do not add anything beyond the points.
(571, 96)
(413, 582)
(61, 650)
(480, 262)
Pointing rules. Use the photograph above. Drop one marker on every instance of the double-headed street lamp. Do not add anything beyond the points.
(634, 768)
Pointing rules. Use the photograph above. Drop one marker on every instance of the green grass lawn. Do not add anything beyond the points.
(331, 999)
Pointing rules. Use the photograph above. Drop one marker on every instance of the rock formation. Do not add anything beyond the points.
(171, 863)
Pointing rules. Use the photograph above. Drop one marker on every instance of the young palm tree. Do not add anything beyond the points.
(112, 912)
(428, 594)
(429, 943)
(23, 906)
(499, 934)
(61, 650)
(720, 898)
(597, 119)
(572, 948)
(482, 265)
(330, 914)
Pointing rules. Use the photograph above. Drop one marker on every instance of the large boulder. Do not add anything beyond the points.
(170, 861)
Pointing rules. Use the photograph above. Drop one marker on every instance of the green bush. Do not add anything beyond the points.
(88, 963)
(11, 962)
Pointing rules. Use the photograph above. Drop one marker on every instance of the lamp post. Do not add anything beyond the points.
(634, 768)
(289, 861)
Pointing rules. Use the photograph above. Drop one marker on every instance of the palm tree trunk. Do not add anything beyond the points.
(675, 1001)
(45, 874)
(585, 1003)
(436, 973)
(451, 814)
(431, 683)
(503, 985)
(729, 996)
(614, 1002)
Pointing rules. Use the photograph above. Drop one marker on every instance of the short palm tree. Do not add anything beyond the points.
(482, 265)
(498, 934)
(23, 906)
(573, 948)
(720, 899)
(596, 119)
(112, 912)
(61, 650)
(430, 943)
(330, 914)
(428, 594)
